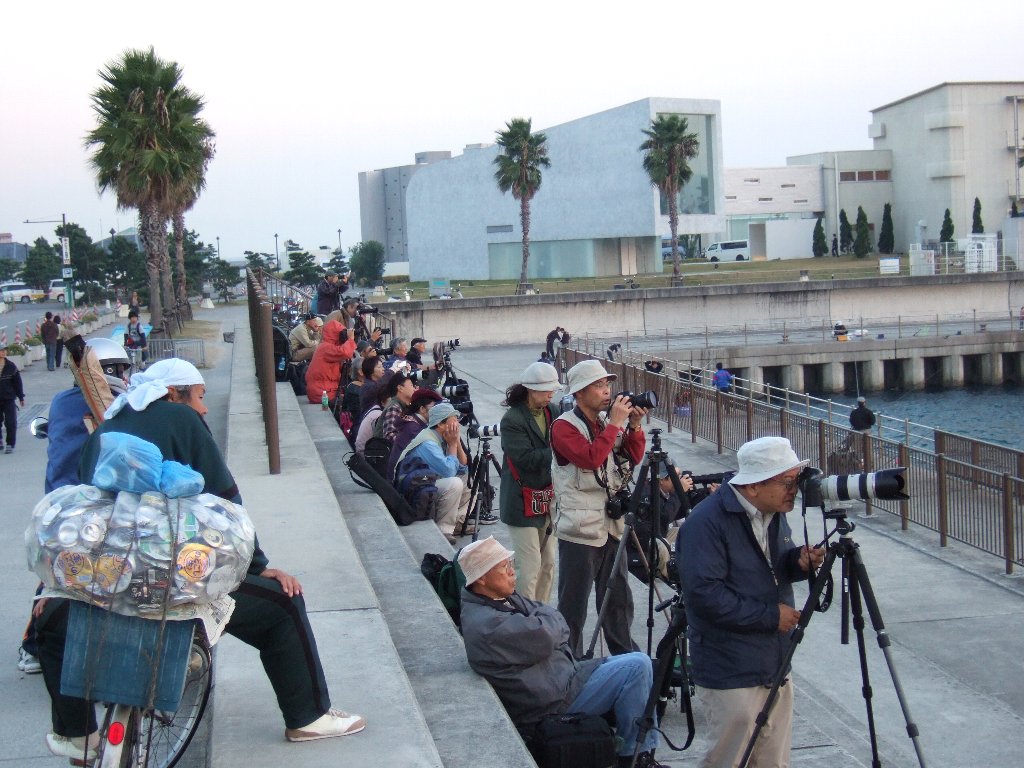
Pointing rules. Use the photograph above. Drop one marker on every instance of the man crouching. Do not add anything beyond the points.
(522, 647)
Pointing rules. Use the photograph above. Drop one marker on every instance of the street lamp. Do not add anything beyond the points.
(218, 246)
(65, 247)
(339, 239)
(277, 256)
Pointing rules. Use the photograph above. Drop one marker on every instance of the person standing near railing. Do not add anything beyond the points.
(862, 418)
(722, 379)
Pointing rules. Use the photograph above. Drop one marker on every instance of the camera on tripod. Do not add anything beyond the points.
(618, 503)
(367, 309)
(884, 485)
(648, 399)
(715, 478)
(489, 430)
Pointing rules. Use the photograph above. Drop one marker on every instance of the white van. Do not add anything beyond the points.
(58, 291)
(728, 250)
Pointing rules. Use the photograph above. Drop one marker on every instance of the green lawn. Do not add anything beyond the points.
(693, 272)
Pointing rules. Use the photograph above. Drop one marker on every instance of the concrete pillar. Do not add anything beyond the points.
(832, 377)
(871, 375)
(994, 369)
(755, 374)
(953, 371)
(794, 378)
(913, 372)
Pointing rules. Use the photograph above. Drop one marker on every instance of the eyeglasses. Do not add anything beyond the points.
(510, 565)
(789, 483)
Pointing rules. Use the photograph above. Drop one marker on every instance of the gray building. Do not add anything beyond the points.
(596, 212)
(11, 250)
(382, 207)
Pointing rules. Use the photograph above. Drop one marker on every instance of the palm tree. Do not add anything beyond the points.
(522, 156)
(182, 201)
(147, 148)
(666, 150)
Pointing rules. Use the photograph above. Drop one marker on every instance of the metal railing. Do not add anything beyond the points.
(281, 293)
(262, 330)
(966, 490)
(193, 350)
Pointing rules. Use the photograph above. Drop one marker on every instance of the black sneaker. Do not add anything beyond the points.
(643, 760)
(488, 518)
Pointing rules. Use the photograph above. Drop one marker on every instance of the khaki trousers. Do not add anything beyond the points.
(452, 503)
(731, 714)
(535, 561)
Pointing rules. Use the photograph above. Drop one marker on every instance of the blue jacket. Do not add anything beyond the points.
(732, 598)
(66, 434)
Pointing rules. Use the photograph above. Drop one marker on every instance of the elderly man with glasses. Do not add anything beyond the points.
(737, 564)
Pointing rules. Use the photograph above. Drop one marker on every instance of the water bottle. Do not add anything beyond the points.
(323, 401)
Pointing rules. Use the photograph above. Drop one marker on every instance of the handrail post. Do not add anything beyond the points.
(940, 476)
(903, 452)
(1008, 528)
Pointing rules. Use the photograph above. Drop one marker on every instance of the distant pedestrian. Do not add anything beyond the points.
(11, 389)
(654, 366)
(862, 418)
(722, 379)
(59, 351)
(49, 332)
(835, 245)
(134, 304)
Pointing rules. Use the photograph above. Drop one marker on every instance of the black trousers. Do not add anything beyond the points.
(9, 412)
(581, 568)
(264, 618)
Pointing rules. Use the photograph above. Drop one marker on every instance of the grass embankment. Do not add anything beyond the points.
(694, 273)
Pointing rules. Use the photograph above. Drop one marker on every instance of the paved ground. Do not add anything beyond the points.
(954, 619)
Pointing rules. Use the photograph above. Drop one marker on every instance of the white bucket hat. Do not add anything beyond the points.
(765, 458)
(540, 377)
(478, 558)
(584, 374)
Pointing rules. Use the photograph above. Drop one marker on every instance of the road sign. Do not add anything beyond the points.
(66, 273)
(65, 248)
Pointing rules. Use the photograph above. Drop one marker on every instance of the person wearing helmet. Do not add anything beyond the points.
(67, 433)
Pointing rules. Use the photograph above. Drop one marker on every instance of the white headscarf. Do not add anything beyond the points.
(150, 385)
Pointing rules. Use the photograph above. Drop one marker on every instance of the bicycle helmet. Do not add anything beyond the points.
(113, 359)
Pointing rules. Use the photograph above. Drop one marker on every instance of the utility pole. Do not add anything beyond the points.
(65, 248)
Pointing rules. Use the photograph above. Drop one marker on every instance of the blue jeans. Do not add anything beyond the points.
(51, 356)
(622, 684)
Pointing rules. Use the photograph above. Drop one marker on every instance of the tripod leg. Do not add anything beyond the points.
(794, 640)
(865, 677)
(860, 573)
(620, 553)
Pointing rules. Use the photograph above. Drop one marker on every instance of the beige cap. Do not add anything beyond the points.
(584, 374)
(478, 558)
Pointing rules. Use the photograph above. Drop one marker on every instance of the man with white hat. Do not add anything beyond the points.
(522, 647)
(862, 418)
(439, 446)
(595, 447)
(737, 564)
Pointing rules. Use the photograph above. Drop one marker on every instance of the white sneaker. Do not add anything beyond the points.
(28, 663)
(327, 726)
(73, 747)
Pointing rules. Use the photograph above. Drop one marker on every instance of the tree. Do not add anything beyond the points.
(260, 260)
(519, 164)
(862, 243)
(126, 267)
(88, 261)
(977, 228)
(304, 269)
(367, 261)
(194, 253)
(819, 246)
(845, 232)
(41, 265)
(149, 145)
(338, 265)
(666, 150)
(886, 239)
(9, 268)
(946, 233)
(222, 276)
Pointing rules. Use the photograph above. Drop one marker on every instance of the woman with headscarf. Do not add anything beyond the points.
(526, 444)
(324, 372)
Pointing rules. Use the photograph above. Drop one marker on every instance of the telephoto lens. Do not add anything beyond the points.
(454, 390)
(648, 399)
(490, 430)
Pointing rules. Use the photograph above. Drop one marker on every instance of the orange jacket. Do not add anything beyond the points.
(324, 372)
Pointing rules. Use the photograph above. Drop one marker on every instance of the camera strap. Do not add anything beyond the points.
(600, 474)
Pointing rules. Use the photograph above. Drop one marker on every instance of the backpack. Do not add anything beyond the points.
(417, 484)
(448, 581)
(363, 475)
(376, 453)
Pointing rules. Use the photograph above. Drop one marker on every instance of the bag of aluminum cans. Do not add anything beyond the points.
(136, 554)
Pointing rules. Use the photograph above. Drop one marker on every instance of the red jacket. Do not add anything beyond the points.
(324, 372)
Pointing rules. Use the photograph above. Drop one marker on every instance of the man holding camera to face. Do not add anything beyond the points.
(595, 447)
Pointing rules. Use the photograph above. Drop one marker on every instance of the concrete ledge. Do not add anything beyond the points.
(302, 531)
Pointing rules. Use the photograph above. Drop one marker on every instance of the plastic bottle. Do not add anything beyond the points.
(323, 401)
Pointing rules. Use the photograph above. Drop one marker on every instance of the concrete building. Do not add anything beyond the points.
(950, 144)
(596, 212)
(11, 250)
(382, 205)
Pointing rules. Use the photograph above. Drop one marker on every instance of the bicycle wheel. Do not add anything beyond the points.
(163, 737)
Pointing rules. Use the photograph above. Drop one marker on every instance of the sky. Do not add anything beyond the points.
(305, 95)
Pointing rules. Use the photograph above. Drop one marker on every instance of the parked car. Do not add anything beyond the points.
(729, 250)
(11, 292)
(58, 291)
(666, 250)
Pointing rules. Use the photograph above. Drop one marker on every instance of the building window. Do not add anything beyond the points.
(865, 175)
(847, 176)
(802, 200)
(730, 197)
(498, 229)
(882, 175)
(752, 180)
(788, 186)
(764, 199)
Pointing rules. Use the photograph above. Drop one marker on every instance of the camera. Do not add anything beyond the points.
(710, 479)
(451, 343)
(885, 485)
(454, 391)
(566, 404)
(618, 503)
(648, 399)
(489, 430)
(384, 331)
(366, 309)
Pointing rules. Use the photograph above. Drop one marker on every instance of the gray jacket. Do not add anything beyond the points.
(522, 647)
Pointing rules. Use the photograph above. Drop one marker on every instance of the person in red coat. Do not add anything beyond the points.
(324, 372)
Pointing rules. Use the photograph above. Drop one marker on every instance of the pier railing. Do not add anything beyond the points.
(965, 490)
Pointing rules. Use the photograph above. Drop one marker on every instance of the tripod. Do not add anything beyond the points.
(481, 492)
(857, 592)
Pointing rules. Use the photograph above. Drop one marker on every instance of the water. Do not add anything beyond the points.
(994, 414)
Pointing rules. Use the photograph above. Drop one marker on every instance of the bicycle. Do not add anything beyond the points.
(133, 736)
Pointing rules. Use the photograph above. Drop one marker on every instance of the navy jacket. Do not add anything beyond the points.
(732, 594)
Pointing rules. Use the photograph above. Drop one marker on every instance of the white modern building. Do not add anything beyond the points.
(596, 212)
(950, 144)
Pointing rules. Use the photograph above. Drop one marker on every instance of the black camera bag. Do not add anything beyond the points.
(573, 740)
